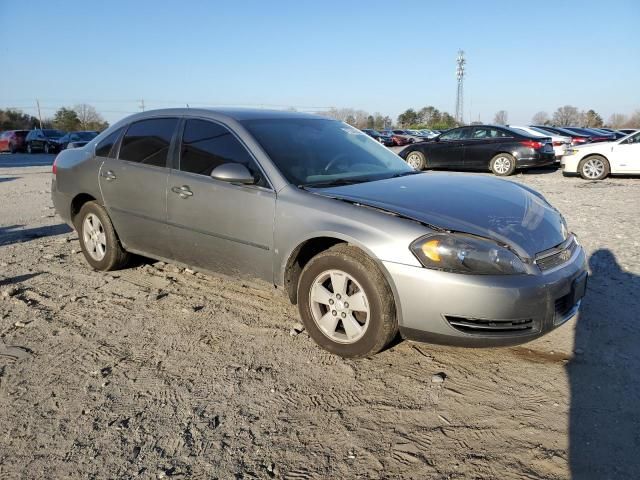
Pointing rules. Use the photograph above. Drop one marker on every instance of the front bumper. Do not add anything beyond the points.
(483, 310)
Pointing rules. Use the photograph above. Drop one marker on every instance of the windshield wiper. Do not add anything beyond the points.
(404, 174)
(338, 182)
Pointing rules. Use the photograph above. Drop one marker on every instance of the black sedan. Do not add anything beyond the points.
(46, 141)
(77, 139)
(386, 140)
(481, 147)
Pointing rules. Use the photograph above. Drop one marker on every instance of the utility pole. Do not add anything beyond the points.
(142, 104)
(39, 114)
(460, 62)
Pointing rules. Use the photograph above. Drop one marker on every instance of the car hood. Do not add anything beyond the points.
(505, 211)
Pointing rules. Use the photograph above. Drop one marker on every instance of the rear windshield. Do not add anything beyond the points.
(52, 133)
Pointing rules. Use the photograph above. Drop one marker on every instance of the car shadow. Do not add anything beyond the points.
(8, 179)
(16, 234)
(17, 160)
(604, 375)
(17, 279)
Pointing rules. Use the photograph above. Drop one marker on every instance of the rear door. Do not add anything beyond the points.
(134, 185)
(448, 151)
(482, 146)
(217, 225)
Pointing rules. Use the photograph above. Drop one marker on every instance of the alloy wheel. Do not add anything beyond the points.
(339, 306)
(414, 160)
(94, 237)
(502, 165)
(593, 168)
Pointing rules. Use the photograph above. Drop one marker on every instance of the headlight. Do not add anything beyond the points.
(460, 253)
(570, 151)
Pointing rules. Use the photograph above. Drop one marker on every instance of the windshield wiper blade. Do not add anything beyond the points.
(334, 183)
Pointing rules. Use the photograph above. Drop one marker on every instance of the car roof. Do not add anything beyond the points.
(237, 114)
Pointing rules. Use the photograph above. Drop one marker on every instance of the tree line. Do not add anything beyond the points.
(568, 116)
(79, 117)
(426, 117)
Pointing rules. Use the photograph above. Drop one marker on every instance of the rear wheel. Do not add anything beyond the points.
(417, 160)
(345, 303)
(595, 167)
(98, 239)
(503, 165)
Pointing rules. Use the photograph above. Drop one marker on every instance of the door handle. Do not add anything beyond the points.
(108, 175)
(183, 191)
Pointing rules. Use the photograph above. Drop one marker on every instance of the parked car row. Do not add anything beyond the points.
(43, 140)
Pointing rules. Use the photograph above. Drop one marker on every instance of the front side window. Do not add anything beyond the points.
(633, 139)
(488, 133)
(206, 145)
(147, 141)
(321, 152)
(104, 147)
(453, 134)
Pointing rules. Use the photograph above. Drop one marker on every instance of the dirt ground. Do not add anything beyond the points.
(156, 372)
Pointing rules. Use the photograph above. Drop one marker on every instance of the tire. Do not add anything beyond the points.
(373, 328)
(29, 149)
(113, 255)
(503, 165)
(416, 159)
(594, 167)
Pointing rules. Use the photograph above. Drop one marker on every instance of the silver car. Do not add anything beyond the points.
(363, 244)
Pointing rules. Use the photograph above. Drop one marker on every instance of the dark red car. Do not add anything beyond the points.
(398, 140)
(13, 141)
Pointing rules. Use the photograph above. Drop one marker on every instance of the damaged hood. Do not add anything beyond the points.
(505, 211)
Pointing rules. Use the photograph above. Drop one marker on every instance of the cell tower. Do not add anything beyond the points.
(460, 61)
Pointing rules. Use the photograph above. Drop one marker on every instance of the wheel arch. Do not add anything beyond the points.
(76, 204)
(311, 246)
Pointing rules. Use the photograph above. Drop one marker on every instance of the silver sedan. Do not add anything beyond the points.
(363, 244)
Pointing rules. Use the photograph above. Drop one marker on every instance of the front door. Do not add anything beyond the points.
(134, 185)
(216, 225)
(625, 156)
(448, 151)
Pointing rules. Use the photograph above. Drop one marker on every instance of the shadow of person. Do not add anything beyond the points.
(604, 375)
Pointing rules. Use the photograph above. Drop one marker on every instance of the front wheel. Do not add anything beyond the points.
(595, 167)
(346, 304)
(98, 239)
(417, 160)
(503, 165)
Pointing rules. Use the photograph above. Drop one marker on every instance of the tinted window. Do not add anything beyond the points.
(487, 133)
(205, 145)
(453, 134)
(148, 141)
(105, 145)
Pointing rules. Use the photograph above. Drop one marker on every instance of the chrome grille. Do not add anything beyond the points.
(557, 256)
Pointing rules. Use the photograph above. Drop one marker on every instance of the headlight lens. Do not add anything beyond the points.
(460, 253)
(570, 151)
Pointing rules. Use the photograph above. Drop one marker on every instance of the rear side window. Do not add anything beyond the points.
(205, 145)
(456, 134)
(104, 147)
(487, 133)
(148, 141)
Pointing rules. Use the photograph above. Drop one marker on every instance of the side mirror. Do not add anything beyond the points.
(233, 173)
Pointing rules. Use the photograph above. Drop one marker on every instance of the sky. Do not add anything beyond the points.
(379, 56)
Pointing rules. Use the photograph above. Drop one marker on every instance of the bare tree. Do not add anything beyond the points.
(540, 118)
(634, 120)
(617, 120)
(89, 118)
(501, 117)
(591, 118)
(566, 116)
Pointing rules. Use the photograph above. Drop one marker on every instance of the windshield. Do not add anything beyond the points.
(319, 152)
(52, 133)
